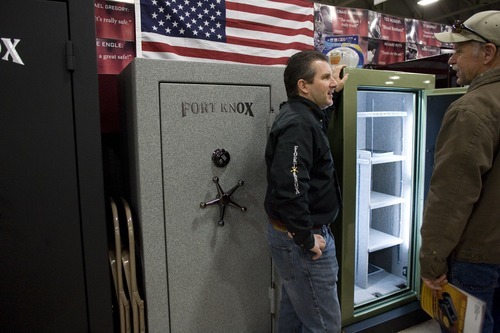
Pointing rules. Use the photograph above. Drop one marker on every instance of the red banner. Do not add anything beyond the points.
(426, 31)
(392, 28)
(113, 55)
(349, 21)
(390, 52)
(114, 20)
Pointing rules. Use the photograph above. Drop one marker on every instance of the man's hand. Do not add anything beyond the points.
(336, 70)
(437, 283)
(319, 246)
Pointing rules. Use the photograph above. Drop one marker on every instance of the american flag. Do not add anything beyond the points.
(264, 32)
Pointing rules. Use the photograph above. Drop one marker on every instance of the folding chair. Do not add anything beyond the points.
(130, 267)
(115, 259)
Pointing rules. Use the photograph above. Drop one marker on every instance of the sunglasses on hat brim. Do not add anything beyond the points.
(459, 26)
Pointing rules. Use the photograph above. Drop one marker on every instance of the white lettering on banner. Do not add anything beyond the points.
(294, 170)
(393, 20)
(11, 50)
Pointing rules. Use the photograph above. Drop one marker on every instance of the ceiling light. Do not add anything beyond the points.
(426, 2)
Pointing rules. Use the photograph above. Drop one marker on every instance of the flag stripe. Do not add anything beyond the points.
(300, 4)
(276, 13)
(159, 48)
(240, 48)
(255, 26)
(268, 45)
(292, 6)
(264, 32)
(271, 21)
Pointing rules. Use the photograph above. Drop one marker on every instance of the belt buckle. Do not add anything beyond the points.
(279, 228)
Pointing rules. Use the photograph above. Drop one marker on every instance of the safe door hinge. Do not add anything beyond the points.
(272, 298)
(70, 57)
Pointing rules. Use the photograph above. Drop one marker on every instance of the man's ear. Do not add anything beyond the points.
(303, 87)
(490, 52)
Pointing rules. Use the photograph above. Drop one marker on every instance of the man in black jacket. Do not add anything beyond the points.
(303, 197)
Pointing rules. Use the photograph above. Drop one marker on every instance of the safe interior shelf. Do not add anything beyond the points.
(378, 200)
(380, 240)
(373, 114)
(366, 157)
(387, 159)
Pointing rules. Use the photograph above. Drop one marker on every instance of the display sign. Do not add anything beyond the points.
(390, 52)
(114, 20)
(349, 21)
(426, 31)
(392, 28)
(344, 50)
(115, 32)
(113, 55)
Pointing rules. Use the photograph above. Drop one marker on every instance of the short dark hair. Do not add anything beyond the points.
(299, 67)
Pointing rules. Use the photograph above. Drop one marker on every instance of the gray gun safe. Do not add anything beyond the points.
(196, 135)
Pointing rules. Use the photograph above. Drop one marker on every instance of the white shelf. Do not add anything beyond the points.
(378, 200)
(380, 240)
(366, 157)
(387, 159)
(373, 114)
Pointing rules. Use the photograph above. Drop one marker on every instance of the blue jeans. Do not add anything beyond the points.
(482, 281)
(309, 300)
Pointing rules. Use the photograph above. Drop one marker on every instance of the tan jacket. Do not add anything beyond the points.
(462, 211)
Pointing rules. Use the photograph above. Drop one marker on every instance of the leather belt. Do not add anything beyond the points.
(278, 225)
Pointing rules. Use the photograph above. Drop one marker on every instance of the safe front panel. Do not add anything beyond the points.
(219, 271)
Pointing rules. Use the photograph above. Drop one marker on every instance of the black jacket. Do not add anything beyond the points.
(302, 189)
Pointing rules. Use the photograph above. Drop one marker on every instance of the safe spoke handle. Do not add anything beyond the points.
(223, 199)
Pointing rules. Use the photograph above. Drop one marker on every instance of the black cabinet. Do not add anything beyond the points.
(53, 247)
